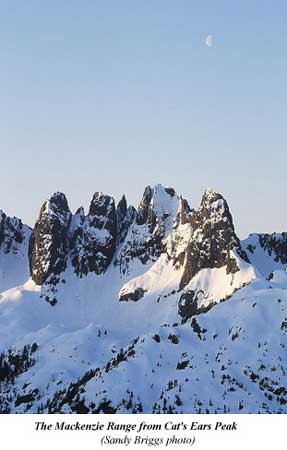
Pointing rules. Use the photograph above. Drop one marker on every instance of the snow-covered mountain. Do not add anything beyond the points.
(156, 309)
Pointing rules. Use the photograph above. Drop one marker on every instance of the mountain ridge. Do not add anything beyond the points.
(88, 289)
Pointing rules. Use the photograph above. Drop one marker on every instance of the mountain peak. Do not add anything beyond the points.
(101, 204)
(213, 238)
(59, 200)
(143, 209)
(159, 188)
(210, 192)
(212, 198)
(156, 204)
(92, 240)
(48, 244)
(122, 206)
(80, 211)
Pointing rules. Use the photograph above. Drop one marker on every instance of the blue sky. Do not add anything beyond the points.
(116, 95)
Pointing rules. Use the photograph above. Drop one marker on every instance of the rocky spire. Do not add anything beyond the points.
(93, 237)
(213, 238)
(125, 217)
(122, 208)
(154, 220)
(48, 244)
(183, 210)
(144, 206)
(158, 208)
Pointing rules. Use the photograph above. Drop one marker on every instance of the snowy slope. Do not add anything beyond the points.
(227, 360)
(223, 361)
(159, 309)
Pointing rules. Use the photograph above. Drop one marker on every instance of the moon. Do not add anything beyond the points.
(209, 40)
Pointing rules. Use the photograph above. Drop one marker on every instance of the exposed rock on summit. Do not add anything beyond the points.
(92, 238)
(213, 237)
(125, 217)
(48, 244)
(154, 220)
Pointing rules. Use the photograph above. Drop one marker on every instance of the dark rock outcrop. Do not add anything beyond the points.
(88, 242)
(187, 305)
(48, 246)
(154, 218)
(213, 238)
(144, 210)
(184, 211)
(125, 217)
(134, 296)
(275, 245)
(12, 233)
(92, 238)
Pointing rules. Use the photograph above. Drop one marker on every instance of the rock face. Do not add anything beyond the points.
(12, 233)
(213, 237)
(275, 245)
(14, 241)
(125, 217)
(134, 296)
(153, 222)
(88, 242)
(188, 304)
(267, 252)
(92, 238)
(145, 211)
(48, 245)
